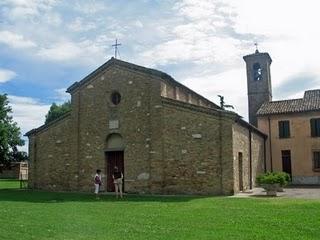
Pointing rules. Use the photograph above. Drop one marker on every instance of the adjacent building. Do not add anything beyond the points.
(292, 126)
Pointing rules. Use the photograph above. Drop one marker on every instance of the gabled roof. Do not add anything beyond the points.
(45, 126)
(153, 72)
(131, 66)
(309, 102)
(114, 61)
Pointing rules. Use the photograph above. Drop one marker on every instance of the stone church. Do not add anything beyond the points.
(166, 138)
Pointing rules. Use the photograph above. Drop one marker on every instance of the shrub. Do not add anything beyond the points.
(281, 178)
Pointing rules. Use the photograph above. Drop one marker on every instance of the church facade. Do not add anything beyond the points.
(166, 138)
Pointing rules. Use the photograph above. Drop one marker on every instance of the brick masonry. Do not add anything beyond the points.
(175, 141)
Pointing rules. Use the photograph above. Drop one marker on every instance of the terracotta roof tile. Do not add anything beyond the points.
(309, 102)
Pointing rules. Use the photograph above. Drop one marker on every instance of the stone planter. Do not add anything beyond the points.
(271, 189)
(280, 189)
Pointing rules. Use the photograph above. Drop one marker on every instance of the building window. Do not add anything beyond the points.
(286, 161)
(316, 161)
(257, 72)
(115, 98)
(284, 129)
(315, 127)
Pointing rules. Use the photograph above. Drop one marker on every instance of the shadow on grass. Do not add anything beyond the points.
(264, 196)
(34, 196)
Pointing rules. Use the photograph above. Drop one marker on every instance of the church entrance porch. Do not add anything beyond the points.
(114, 158)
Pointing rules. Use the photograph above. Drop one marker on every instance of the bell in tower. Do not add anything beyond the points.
(258, 82)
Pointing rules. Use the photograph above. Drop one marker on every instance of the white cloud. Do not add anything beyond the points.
(26, 8)
(200, 38)
(61, 95)
(6, 75)
(138, 24)
(230, 84)
(291, 31)
(84, 52)
(29, 113)
(79, 25)
(211, 36)
(90, 6)
(63, 51)
(15, 40)
(205, 40)
(53, 19)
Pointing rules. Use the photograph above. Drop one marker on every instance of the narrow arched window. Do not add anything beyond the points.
(115, 98)
(257, 72)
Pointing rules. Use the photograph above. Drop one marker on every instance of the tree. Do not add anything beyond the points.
(57, 111)
(9, 134)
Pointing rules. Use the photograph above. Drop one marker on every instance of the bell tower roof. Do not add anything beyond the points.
(256, 55)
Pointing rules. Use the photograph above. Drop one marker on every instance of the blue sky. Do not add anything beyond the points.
(46, 45)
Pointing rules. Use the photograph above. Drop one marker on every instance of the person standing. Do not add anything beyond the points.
(117, 180)
(97, 183)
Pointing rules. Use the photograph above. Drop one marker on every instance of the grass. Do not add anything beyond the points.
(46, 215)
(9, 184)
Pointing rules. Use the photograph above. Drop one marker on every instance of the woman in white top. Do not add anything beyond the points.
(97, 182)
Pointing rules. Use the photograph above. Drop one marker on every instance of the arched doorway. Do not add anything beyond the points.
(114, 157)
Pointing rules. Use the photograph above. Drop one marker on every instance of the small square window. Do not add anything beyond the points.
(284, 129)
(315, 127)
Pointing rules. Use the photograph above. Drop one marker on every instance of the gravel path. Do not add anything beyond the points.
(291, 192)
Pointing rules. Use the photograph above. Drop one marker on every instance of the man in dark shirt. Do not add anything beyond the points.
(117, 180)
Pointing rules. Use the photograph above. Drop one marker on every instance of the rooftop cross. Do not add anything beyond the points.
(116, 48)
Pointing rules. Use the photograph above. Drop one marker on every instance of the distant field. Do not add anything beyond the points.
(45, 215)
(9, 184)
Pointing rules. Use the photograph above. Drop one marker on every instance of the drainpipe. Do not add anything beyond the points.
(220, 151)
(78, 138)
(35, 168)
(264, 155)
(270, 147)
(250, 158)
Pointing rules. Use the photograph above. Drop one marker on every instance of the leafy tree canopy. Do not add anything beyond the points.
(57, 111)
(10, 135)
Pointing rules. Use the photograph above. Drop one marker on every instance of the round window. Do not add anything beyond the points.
(115, 98)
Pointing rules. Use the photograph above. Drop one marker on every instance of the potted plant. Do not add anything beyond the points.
(273, 181)
(284, 180)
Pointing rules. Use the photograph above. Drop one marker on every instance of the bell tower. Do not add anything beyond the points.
(258, 82)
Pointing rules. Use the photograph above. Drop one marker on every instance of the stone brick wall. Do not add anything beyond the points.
(52, 165)
(74, 147)
(139, 106)
(241, 144)
(183, 94)
(192, 150)
(258, 156)
(170, 146)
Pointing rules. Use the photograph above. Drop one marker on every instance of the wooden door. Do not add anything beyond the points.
(240, 171)
(286, 161)
(113, 159)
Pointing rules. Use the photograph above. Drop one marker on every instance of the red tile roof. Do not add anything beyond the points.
(309, 102)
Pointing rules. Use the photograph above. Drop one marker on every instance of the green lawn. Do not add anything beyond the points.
(42, 215)
(9, 184)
